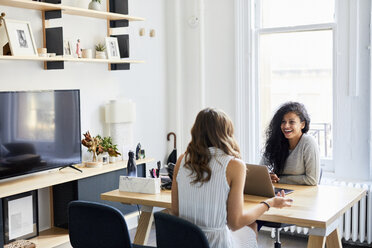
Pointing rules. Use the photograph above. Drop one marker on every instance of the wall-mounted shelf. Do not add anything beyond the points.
(28, 4)
(68, 59)
(116, 16)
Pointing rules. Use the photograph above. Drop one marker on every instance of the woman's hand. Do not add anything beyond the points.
(274, 178)
(280, 201)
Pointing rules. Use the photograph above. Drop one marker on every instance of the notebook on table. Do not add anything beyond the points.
(258, 182)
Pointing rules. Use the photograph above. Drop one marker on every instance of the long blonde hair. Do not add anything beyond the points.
(212, 128)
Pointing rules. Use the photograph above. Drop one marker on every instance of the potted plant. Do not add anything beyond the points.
(100, 51)
(110, 148)
(95, 5)
(92, 143)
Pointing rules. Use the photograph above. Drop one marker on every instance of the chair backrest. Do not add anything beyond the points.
(96, 225)
(172, 231)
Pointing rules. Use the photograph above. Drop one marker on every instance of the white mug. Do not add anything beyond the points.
(87, 53)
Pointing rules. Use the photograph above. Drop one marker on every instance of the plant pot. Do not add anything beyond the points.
(93, 5)
(100, 55)
(112, 159)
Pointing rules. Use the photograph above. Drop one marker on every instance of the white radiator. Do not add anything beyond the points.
(356, 224)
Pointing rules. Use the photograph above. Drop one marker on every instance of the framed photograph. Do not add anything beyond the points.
(112, 48)
(67, 48)
(21, 40)
(20, 216)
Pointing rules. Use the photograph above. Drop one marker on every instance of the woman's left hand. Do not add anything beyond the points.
(274, 178)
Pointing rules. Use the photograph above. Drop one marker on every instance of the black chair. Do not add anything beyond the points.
(278, 226)
(172, 232)
(96, 225)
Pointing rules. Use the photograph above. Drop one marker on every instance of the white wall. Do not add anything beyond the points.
(204, 53)
(144, 83)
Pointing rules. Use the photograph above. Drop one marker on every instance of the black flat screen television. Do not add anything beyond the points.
(39, 130)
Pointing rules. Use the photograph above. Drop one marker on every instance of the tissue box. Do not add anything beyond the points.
(139, 185)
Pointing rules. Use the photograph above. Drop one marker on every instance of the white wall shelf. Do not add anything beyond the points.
(27, 4)
(69, 59)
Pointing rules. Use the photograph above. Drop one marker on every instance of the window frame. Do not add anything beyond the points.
(256, 31)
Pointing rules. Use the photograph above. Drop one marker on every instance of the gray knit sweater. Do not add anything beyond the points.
(302, 164)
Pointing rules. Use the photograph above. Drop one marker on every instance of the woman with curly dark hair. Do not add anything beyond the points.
(289, 150)
(208, 182)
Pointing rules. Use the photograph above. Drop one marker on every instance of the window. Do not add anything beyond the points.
(294, 57)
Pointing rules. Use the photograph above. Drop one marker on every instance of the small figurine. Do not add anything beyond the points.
(78, 49)
(138, 149)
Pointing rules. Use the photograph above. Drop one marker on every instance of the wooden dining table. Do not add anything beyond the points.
(317, 208)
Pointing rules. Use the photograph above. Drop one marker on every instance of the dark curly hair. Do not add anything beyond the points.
(276, 149)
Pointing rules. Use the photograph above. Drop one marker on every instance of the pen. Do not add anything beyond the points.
(151, 173)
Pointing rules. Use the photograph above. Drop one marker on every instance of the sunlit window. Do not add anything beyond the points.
(295, 61)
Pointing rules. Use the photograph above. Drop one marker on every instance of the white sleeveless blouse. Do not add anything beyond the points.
(205, 205)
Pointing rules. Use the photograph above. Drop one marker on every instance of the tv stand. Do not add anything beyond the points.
(65, 185)
(71, 166)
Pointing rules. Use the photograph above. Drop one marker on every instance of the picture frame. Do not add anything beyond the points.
(112, 48)
(20, 216)
(67, 48)
(20, 37)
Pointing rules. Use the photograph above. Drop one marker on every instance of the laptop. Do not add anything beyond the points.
(258, 182)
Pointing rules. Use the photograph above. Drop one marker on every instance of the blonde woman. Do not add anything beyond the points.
(208, 184)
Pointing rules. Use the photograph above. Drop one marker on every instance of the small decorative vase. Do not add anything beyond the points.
(112, 159)
(100, 55)
(105, 158)
(94, 5)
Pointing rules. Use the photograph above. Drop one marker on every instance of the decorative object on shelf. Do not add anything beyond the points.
(100, 51)
(2, 16)
(138, 149)
(105, 158)
(42, 52)
(152, 33)
(95, 5)
(87, 53)
(78, 49)
(20, 216)
(121, 114)
(21, 40)
(92, 143)
(112, 150)
(112, 48)
(67, 49)
(142, 154)
(131, 165)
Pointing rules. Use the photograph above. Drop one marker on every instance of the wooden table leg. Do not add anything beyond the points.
(144, 225)
(316, 242)
(334, 239)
